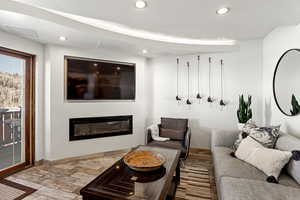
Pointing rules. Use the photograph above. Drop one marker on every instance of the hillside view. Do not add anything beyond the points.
(10, 90)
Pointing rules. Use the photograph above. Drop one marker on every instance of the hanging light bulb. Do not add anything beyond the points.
(177, 96)
(209, 99)
(188, 99)
(198, 96)
(222, 102)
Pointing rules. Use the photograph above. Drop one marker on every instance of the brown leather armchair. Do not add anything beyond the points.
(178, 132)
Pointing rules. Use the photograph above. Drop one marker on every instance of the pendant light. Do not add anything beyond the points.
(177, 96)
(222, 102)
(209, 99)
(188, 97)
(198, 94)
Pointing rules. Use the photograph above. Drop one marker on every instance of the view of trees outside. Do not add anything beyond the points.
(11, 94)
(10, 90)
(11, 79)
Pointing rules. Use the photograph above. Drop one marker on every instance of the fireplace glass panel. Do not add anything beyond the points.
(101, 128)
(86, 128)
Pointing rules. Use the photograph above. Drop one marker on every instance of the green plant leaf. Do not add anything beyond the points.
(295, 106)
(244, 112)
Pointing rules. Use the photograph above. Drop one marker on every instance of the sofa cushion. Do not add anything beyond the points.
(287, 180)
(246, 189)
(290, 143)
(172, 134)
(173, 123)
(226, 165)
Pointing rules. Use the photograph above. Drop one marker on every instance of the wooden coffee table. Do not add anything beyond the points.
(121, 183)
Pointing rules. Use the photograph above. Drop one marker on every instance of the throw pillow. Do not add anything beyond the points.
(267, 136)
(270, 161)
(173, 123)
(290, 143)
(154, 130)
(244, 133)
(172, 134)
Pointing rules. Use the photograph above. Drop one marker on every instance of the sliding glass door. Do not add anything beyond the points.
(16, 111)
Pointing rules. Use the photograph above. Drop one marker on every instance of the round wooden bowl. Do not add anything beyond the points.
(144, 160)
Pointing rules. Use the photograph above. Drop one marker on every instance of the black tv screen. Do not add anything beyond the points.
(99, 80)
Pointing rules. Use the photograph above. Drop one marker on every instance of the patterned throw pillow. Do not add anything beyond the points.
(244, 133)
(267, 136)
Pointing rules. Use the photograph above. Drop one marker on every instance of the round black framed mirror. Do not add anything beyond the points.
(286, 83)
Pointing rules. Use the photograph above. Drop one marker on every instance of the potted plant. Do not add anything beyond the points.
(295, 106)
(244, 112)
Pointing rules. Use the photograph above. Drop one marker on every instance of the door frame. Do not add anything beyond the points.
(29, 123)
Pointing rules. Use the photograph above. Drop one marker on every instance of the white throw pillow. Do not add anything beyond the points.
(270, 161)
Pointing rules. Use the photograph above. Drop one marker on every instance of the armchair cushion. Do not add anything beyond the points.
(172, 134)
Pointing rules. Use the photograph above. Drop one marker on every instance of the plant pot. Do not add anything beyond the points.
(240, 126)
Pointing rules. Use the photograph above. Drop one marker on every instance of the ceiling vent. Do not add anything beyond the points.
(22, 32)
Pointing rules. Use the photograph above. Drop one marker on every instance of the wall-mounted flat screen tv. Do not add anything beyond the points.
(89, 79)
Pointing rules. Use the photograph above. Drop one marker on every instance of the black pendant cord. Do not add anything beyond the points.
(188, 98)
(177, 95)
(222, 103)
(209, 99)
(198, 95)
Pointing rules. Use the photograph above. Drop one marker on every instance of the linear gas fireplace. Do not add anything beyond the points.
(95, 127)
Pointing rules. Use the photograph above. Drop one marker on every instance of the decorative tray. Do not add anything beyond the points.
(144, 160)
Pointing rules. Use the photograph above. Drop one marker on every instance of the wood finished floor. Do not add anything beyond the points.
(63, 179)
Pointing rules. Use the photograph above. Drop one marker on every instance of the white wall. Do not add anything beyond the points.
(242, 75)
(16, 43)
(274, 45)
(58, 111)
(155, 97)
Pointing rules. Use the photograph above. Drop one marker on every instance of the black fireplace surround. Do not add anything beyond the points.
(96, 127)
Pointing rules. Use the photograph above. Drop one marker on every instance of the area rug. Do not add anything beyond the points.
(13, 191)
(197, 181)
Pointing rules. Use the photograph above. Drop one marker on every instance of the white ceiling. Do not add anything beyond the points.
(194, 19)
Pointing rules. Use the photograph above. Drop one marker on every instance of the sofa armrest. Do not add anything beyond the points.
(225, 138)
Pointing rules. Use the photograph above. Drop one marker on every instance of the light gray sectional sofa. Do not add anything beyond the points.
(237, 180)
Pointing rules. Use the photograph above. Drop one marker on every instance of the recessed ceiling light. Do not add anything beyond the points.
(62, 38)
(145, 51)
(223, 11)
(140, 4)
